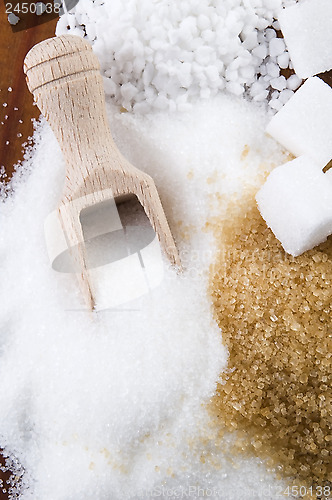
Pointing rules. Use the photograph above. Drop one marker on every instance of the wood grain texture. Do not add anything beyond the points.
(64, 76)
(13, 48)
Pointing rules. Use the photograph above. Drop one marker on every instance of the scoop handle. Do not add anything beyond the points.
(63, 74)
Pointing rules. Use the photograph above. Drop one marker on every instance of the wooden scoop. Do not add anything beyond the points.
(63, 75)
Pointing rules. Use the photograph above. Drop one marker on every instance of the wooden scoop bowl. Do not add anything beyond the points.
(63, 75)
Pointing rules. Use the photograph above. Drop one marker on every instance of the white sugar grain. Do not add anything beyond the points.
(113, 405)
(164, 47)
(293, 82)
(278, 83)
(276, 47)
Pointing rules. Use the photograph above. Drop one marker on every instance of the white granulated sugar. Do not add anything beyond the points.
(165, 54)
(307, 28)
(112, 405)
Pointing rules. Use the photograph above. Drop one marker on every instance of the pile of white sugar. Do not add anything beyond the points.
(165, 54)
(113, 405)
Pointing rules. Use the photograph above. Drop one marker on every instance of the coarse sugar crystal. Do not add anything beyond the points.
(276, 391)
(115, 403)
(134, 37)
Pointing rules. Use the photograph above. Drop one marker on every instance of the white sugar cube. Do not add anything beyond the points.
(296, 203)
(304, 124)
(307, 29)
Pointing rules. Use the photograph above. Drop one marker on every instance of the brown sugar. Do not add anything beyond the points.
(274, 312)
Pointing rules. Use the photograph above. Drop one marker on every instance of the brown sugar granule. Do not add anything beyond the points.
(274, 312)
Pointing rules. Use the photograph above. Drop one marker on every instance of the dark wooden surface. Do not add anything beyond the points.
(16, 115)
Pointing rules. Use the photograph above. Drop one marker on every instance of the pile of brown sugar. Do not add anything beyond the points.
(274, 312)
